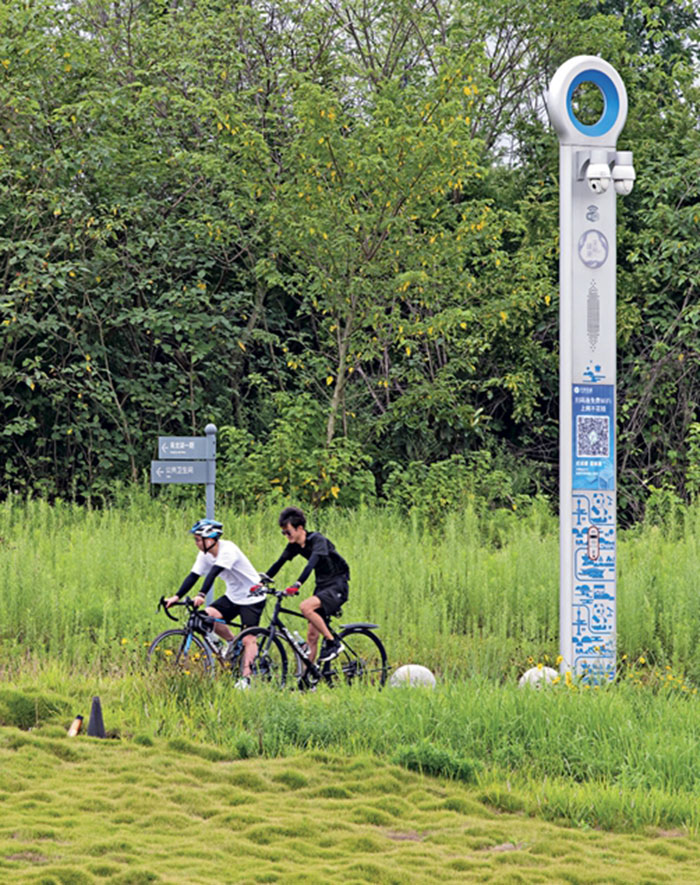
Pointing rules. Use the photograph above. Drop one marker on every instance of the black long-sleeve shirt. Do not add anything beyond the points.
(323, 559)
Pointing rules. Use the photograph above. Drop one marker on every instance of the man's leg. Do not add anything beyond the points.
(220, 629)
(250, 649)
(312, 635)
(250, 617)
(310, 609)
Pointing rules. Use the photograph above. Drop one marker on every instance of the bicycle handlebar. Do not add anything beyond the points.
(203, 619)
(162, 605)
(265, 588)
(186, 601)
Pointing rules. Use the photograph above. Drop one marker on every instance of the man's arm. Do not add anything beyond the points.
(319, 548)
(209, 580)
(272, 571)
(186, 586)
(310, 566)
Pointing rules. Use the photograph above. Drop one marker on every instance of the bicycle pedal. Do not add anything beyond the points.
(312, 676)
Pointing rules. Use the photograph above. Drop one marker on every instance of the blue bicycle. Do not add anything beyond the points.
(191, 649)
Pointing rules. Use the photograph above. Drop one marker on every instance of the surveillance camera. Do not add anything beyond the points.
(623, 186)
(598, 177)
(623, 173)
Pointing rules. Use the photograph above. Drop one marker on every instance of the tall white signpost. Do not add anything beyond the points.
(591, 173)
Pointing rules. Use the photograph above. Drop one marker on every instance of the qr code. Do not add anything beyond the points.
(592, 437)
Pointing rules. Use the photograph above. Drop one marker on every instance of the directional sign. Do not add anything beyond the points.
(179, 471)
(183, 447)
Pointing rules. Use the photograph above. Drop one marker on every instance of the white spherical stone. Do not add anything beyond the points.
(538, 676)
(412, 674)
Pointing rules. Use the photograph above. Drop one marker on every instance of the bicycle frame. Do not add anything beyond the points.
(197, 622)
(276, 626)
(312, 671)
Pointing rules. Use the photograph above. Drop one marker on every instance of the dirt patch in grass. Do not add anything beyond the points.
(411, 836)
(29, 856)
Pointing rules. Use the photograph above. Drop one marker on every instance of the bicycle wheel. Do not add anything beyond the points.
(270, 662)
(363, 660)
(179, 651)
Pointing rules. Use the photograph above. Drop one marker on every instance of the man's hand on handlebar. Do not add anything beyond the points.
(171, 600)
(198, 600)
(259, 588)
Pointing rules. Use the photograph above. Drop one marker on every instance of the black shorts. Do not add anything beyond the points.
(249, 614)
(333, 595)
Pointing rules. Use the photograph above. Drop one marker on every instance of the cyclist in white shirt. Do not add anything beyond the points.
(220, 558)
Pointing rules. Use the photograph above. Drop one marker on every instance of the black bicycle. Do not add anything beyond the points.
(191, 649)
(362, 661)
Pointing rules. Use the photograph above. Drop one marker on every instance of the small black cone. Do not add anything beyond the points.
(96, 725)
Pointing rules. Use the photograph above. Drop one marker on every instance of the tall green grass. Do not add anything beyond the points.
(477, 596)
(619, 756)
(476, 601)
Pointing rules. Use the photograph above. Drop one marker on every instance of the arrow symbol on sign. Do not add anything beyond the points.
(159, 471)
(164, 448)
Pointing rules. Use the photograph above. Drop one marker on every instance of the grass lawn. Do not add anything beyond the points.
(80, 810)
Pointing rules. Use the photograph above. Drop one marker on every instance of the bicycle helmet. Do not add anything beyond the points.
(207, 528)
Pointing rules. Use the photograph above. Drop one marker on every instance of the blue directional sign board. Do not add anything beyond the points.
(188, 459)
(179, 471)
(183, 447)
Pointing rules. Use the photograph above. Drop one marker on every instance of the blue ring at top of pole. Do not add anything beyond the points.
(611, 99)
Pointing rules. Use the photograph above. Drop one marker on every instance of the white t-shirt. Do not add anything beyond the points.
(238, 574)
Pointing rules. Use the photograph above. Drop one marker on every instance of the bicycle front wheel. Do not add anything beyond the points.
(180, 652)
(270, 662)
(363, 660)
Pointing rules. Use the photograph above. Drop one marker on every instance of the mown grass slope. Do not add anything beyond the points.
(81, 811)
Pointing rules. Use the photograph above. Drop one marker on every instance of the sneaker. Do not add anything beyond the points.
(330, 650)
(243, 683)
(231, 649)
(216, 642)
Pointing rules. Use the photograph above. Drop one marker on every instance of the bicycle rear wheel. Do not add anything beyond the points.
(269, 666)
(180, 652)
(363, 660)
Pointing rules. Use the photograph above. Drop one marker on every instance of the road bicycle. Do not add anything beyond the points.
(362, 661)
(192, 649)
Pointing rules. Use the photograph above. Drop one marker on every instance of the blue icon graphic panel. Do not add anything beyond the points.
(593, 611)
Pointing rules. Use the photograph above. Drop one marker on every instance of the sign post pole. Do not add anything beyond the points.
(591, 172)
(210, 431)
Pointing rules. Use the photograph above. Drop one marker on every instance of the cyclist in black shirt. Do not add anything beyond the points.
(332, 576)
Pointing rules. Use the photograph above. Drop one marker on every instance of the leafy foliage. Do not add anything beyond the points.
(214, 212)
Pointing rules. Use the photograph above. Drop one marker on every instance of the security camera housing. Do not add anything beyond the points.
(623, 173)
(598, 177)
